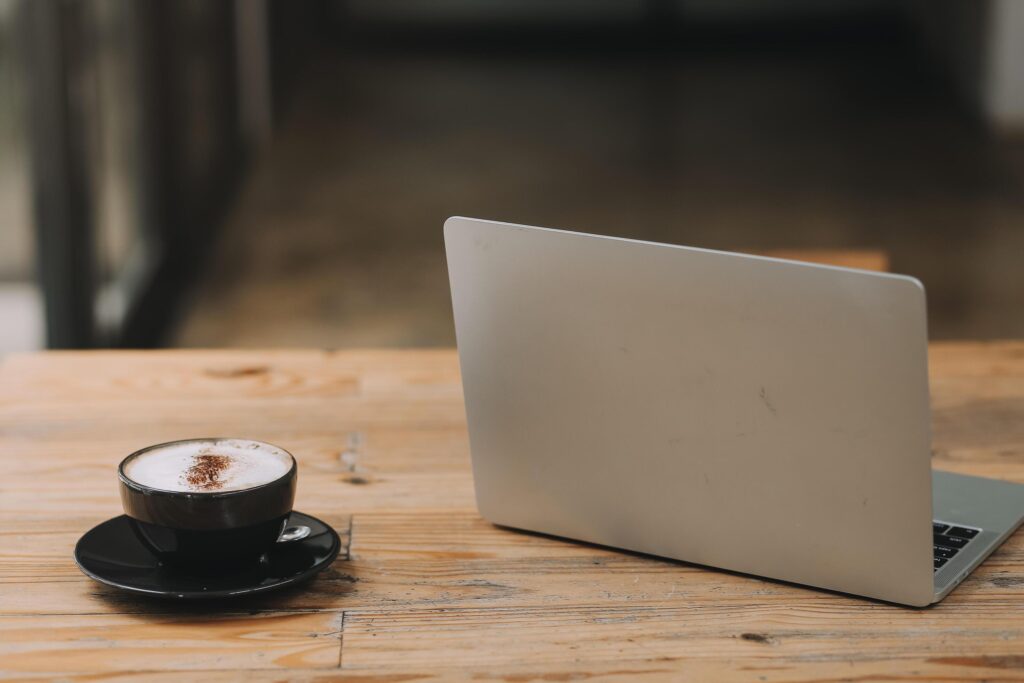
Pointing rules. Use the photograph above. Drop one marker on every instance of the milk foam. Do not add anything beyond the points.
(243, 465)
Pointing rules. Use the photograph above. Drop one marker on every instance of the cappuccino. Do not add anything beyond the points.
(208, 466)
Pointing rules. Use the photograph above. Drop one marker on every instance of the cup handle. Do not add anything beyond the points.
(293, 533)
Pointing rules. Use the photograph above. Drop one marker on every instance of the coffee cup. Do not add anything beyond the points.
(210, 504)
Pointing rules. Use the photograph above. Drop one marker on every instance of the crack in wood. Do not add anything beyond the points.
(341, 638)
(348, 544)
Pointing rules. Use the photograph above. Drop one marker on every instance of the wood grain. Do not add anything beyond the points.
(58, 645)
(426, 590)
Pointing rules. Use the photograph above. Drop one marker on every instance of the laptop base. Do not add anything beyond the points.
(991, 506)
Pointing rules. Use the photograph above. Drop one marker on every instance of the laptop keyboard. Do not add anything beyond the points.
(949, 539)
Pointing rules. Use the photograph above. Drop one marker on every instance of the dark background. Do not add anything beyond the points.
(270, 173)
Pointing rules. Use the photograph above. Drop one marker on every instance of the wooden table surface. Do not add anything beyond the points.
(424, 589)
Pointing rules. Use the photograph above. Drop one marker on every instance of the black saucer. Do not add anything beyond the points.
(111, 553)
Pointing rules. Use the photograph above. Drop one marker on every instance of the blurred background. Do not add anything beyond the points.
(276, 173)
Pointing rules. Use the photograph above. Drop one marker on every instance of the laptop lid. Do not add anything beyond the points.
(754, 414)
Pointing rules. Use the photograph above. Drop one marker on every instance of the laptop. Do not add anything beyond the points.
(752, 414)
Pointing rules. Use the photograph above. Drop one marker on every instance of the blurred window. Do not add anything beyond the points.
(20, 302)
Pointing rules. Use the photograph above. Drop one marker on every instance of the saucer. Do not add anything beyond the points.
(111, 553)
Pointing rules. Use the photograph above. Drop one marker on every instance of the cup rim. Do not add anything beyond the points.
(152, 490)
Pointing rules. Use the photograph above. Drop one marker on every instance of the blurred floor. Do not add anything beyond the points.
(336, 238)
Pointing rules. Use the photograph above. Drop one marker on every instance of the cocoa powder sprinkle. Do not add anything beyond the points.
(205, 471)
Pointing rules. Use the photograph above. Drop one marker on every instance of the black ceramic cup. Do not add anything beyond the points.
(211, 531)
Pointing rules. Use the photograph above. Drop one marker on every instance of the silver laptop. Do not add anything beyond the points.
(753, 414)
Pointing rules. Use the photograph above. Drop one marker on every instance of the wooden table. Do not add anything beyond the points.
(425, 589)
